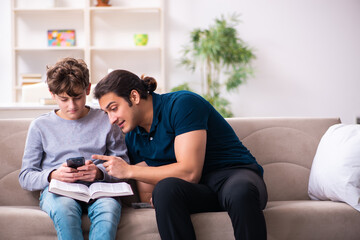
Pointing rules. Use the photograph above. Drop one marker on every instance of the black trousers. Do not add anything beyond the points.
(239, 191)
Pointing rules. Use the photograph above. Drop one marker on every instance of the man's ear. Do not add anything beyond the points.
(88, 89)
(134, 97)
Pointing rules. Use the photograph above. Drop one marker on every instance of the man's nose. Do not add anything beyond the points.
(112, 118)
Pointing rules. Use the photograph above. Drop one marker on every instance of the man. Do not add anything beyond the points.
(180, 144)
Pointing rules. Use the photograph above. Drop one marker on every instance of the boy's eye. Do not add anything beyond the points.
(113, 108)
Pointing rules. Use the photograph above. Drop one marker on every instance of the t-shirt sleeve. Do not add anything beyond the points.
(189, 113)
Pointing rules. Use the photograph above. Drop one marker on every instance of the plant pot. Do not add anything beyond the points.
(103, 3)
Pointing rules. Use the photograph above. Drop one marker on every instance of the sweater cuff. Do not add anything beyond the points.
(46, 176)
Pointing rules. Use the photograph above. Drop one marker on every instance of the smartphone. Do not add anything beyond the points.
(75, 162)
(141, 205)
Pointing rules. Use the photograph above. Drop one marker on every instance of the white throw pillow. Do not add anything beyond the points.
(335, 172)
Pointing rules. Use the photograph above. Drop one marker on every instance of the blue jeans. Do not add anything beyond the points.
(66, 213)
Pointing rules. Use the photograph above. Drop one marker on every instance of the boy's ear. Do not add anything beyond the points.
(88, 89)
(52, 95)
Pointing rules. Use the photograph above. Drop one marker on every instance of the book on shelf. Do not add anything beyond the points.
(96, 190)
(47, 101)
(29, 83)
(30, 78)
(30, 75)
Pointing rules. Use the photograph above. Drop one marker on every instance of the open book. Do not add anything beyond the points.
(96, 190)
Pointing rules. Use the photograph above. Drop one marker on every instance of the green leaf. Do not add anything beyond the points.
(218, 49)
(184, 86)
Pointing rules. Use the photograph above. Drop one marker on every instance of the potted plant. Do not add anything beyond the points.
(223, 58)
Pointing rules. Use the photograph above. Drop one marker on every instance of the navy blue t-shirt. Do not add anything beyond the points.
(180, 112)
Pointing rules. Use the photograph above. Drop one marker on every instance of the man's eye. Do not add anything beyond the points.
(113, 109)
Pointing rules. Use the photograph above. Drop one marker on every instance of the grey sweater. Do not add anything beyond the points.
(52, 139)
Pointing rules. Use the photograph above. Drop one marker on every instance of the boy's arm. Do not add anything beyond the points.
(32, 177)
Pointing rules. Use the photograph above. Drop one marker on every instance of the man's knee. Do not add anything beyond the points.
(168, 190)
(244, 194)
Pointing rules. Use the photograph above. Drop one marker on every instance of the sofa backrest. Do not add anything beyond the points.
(285, 148)
(12, 141)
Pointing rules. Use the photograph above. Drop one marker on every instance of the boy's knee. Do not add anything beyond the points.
(105, 206)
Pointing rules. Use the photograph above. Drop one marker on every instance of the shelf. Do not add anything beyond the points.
(26, 49)
(126, 49)
(104, 37)
(125, 9)
(47, 10)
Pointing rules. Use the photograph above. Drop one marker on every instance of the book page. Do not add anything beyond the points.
(70, 187)
(110, 189)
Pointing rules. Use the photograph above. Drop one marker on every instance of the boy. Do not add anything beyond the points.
(73, 130)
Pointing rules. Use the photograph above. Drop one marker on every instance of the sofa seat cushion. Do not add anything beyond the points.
(284, 219)
(30, 222)
(17, 222)
(297, 219)
(141, 224)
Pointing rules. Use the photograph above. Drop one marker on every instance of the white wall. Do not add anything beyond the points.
(5, 52)
(308, 54)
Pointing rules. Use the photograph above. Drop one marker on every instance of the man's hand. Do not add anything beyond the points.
(115, 166)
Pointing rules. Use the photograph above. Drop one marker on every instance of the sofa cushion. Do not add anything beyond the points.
(285, 147)
(335, 172)
(308, 219)
(30, 223)
(285, 220)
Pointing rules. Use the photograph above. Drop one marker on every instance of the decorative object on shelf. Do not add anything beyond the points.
(218, 52)
(103, 3)
(34, 92)
(62, 38)
(141, 39)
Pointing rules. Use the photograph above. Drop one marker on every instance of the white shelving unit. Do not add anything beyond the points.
(104, 37)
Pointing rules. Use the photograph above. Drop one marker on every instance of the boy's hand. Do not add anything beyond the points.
(89, 172)
(65, 174)
(115, 166)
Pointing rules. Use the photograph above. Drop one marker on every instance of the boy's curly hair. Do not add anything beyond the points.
(68, 76)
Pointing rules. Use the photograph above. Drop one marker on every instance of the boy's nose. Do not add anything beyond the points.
(71, 102)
